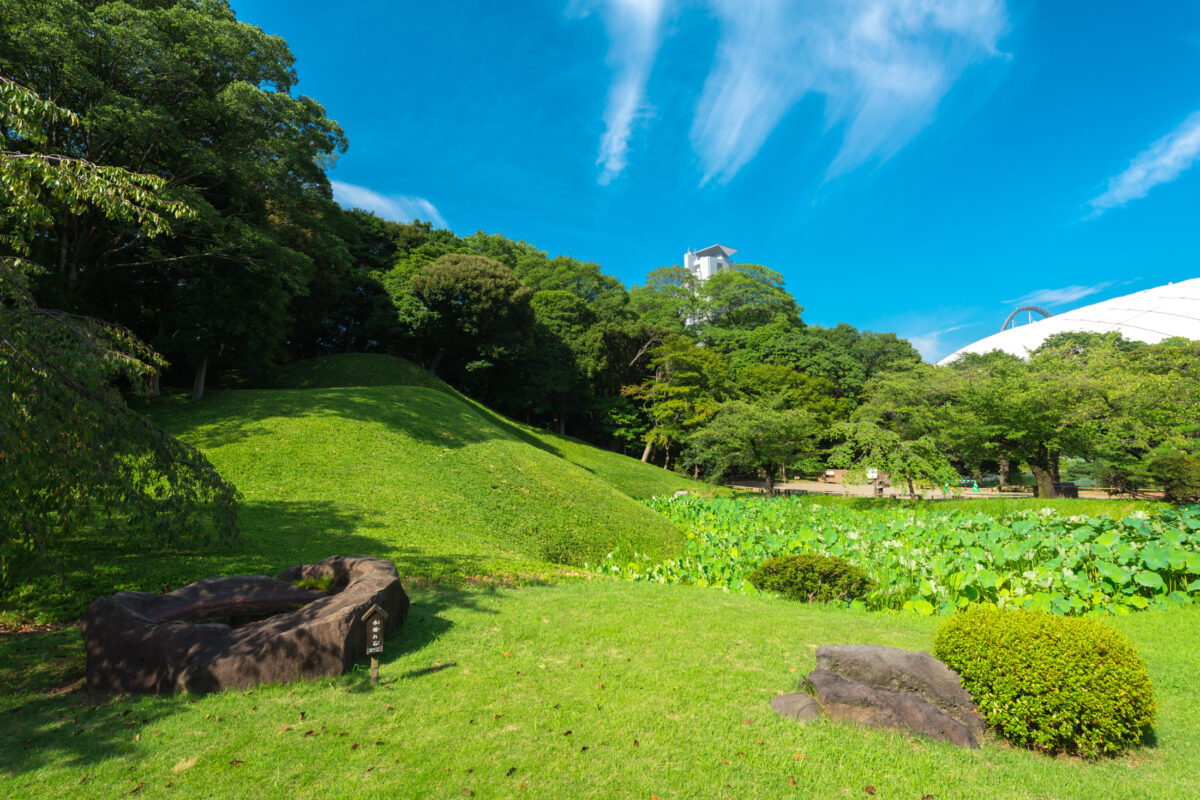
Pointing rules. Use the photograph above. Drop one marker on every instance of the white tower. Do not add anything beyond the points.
(709, 261)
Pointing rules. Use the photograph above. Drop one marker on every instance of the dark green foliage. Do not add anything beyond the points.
(73, 457)
(1056, 684)
(811, 578)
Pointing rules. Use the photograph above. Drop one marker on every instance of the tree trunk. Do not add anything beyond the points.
(769, 485)
(784, 471)
(198, 381)
(437, 360)
(696, 472)
(912, 490)
(156, 383)
(1006, 478)
(667, 458)
(1043, 472)
(646, 453)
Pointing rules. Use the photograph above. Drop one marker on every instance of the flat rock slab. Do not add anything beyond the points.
(140, 643)
(903, 690)
(800, 706)
(851, 701)
(903, 672)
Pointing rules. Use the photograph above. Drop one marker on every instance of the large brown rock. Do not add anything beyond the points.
(902, 690)
(905, 672)
(149, 643)
(850, 701)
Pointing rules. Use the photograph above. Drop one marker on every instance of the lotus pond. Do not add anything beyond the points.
(929, 561)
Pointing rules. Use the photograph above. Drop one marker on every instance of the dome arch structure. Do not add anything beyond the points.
(1151, 315)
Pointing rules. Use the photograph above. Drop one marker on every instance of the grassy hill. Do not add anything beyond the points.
(387, 455)
(370, 454)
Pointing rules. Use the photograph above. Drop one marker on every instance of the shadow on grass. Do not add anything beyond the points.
(45, 716)
(84, 567)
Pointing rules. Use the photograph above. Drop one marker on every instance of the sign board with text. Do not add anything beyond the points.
(376, 621)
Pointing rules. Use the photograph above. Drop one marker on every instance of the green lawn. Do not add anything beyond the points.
(520, 683)
(585, 689)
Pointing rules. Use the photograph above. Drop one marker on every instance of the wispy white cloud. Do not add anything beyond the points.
(634, 39)
(930, 346)
(1058, 297)
(1162, 162)
(882, 67)
(397, 207)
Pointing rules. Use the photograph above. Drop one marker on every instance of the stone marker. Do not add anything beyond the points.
(375, 619)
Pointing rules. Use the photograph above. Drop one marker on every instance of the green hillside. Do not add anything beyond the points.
(379, 456)
(365, 369)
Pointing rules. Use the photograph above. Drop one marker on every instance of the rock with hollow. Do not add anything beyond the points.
(269, 629)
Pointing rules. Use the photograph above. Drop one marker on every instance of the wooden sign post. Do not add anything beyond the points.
(376, 621)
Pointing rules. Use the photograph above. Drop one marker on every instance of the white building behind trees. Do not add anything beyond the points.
(709, 261)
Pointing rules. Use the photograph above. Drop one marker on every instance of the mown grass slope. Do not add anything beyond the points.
(367, 369)
(375, 456)
(430, 480)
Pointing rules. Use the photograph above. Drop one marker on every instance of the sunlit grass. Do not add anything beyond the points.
(584, 689)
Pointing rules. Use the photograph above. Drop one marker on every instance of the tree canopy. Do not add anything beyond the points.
(71, 450)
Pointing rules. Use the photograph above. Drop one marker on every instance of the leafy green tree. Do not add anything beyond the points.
(746, 296)
(687, 385)
(746, 437)
(669, 298)
(73, 455)
(480, 317)
(916, 462)
(184, 91)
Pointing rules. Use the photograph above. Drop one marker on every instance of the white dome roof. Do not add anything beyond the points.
(1150, 316)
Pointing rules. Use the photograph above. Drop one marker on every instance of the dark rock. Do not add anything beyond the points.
(851, 701)
(130, 651)
(800, 706)
(903, 672)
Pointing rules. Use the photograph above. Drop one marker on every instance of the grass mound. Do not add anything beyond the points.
(416, 474)
(399, 466)
(353, 369)
(367, 369)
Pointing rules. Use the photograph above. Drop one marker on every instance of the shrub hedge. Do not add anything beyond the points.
(811, 578)
(1051, 683)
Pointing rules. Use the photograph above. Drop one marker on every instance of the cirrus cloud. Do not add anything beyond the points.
(881, 66)
(396, 207)
(1162, 162)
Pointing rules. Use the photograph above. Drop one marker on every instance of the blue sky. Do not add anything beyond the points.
(920, 166)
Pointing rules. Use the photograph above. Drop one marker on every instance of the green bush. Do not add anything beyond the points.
(1051, 683)
(811, 578)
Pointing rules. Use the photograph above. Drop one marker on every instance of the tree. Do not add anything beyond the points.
(480, 317)
(184, 91)
(745, 296)
(72, 452)
(916, 462)
(749, 437)
(687, 385)
(669, 298)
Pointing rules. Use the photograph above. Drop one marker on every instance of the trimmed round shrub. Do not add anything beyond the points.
(1051, 683)
(811, 578)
